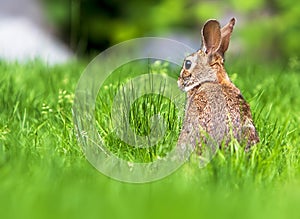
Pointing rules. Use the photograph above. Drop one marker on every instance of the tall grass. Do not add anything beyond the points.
(44, 173)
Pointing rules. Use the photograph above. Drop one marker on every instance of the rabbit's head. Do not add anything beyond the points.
(206, 65)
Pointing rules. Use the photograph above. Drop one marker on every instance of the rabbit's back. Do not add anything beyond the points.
(240, 118)
(206, 114)
(220, 112)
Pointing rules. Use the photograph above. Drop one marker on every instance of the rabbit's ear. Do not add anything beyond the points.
(211, 36)
(225, 35)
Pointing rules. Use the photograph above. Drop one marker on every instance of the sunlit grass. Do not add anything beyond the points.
(138, 115)
(44, 174)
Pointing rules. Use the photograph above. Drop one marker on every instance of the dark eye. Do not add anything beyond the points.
(187, 64)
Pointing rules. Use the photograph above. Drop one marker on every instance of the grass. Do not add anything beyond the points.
(137, 110)
(44, 173)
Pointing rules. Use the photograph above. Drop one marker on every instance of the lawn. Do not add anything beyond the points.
(44, 173)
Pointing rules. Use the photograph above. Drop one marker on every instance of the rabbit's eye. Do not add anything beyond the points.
(187, 64)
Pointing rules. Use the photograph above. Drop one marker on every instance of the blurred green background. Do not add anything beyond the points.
(265, 29)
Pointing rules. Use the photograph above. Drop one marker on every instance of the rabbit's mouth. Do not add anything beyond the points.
(190, 86)
(185, 84)
(181, 83)
(186, 80)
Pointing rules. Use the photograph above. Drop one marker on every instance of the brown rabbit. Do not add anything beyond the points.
(215, 110)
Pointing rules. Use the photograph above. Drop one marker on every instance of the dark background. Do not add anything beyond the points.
(265, 29)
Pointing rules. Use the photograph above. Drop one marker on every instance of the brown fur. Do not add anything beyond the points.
(216, 110)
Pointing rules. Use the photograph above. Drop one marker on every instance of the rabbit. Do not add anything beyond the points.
(215, 109)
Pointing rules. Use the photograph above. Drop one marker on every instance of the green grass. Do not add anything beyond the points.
(44, 173)
(141, 111)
